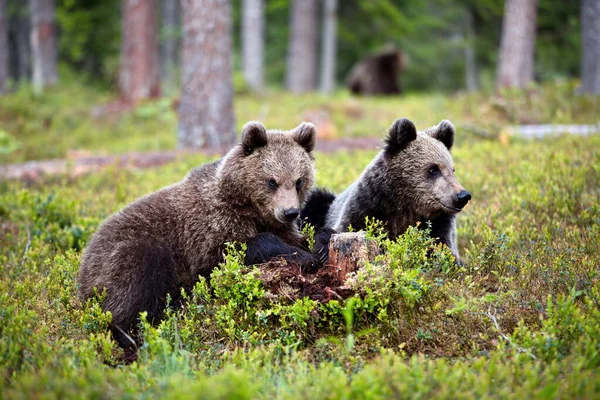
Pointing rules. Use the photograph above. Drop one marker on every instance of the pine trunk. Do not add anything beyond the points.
(43, 44)
(138, 69)
(206, 116)
(253, 39)
(516, 63)
(170, 49)
(302, 57)
(4, 74)
(328, 53)
(590, 44)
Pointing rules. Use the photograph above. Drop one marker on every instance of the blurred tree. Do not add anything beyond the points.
(471, 77)
(590, 32)
(302, 55)
(138, 69)
(206, 116)
(170, 34)
(43, 44)
(328, 46)
(253, 43)
(19, 39)
(516, 63)
(4, 72)
(90, 36)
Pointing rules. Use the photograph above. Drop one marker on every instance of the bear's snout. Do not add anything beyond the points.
(291, 213)
(462, 198)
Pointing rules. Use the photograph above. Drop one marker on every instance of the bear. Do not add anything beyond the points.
(410, 181)
(377, 74)
(162, 242)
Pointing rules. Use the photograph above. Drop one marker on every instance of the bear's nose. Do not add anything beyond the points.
(463, 198)
(291, 214)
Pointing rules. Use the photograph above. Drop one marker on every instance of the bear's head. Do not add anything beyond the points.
(272, 170)
(421, 170)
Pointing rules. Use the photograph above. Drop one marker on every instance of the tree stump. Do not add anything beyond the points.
(348, 251)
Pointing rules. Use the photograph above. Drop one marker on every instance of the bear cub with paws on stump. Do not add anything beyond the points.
(411, 180)
(162, 242)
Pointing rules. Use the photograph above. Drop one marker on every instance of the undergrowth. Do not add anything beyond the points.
(519, 319)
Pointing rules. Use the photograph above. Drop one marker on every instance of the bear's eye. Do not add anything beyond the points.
(434, 170)
(299, 184)
(272, 184)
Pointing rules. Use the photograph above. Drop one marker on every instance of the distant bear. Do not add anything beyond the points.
(411, 180)
(377, 74)
(163, 241)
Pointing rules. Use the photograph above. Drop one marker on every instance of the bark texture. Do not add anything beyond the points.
(138, 69)
(328, 49)
(170, 42)
(4, 72)
(43, 44)
(516, 63)
(590, 35)
(253, 43)
(302, 57)
(206, 116)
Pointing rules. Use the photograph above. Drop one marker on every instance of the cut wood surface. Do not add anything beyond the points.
(347, 253)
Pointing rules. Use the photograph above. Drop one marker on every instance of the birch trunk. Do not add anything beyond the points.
(328, 54)
(590, 46)
(43, 44)
(302, 57)
(253, 39)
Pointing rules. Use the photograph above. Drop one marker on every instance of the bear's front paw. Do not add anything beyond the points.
(307, 261)
(321, 247)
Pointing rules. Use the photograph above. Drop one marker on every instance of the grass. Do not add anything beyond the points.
(70, 117)
(520, 319)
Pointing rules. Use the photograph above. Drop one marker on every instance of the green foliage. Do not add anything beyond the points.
(519, 319)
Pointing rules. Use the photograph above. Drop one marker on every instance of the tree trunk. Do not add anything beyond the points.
(170, 49)
(515, 68)
(328, 53)
(138, 69)
(43, 44)
(253, 38)
(206, 116)
(590, 44)
(302, 57)
(19, 35)
(4, 74)
(470, 61)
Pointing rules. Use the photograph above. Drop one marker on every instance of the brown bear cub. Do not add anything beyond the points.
(162, 242)
(411, 180)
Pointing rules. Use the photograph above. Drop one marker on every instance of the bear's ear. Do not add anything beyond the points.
(444, 132)
(254, 135)
(401, 133)
(305, 135)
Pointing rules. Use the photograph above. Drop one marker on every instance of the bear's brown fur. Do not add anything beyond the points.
(377, 74)
(411, 180)
(163, 241)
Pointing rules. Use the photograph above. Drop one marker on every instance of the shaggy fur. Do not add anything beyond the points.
(411, 180)
(164, 241)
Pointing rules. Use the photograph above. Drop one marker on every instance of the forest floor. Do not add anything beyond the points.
(520, 318)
